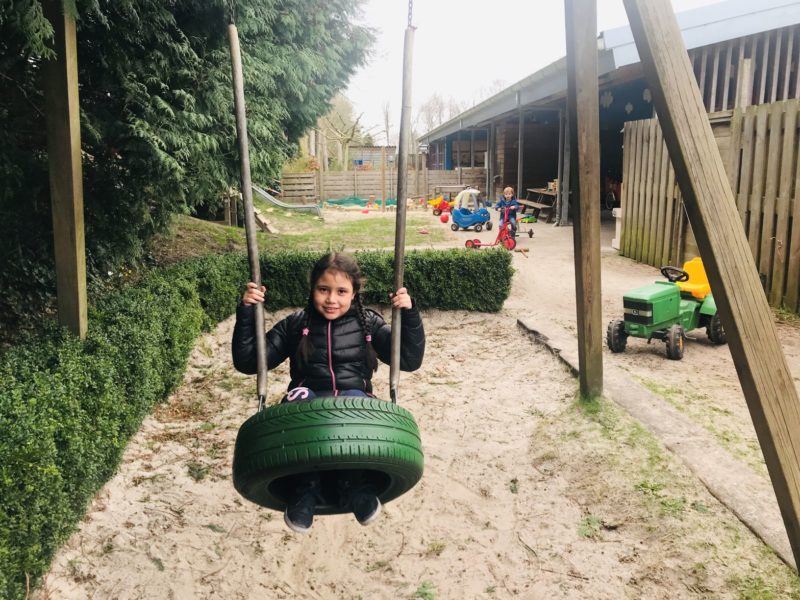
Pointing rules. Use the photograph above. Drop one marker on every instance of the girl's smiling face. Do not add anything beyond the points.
(333, 294)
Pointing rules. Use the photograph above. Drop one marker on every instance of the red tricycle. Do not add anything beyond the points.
(504, 236)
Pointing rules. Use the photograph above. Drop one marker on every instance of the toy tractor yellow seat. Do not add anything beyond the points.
(697, 284)
(666, 310)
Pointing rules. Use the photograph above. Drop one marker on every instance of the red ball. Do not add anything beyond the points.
(444, 218)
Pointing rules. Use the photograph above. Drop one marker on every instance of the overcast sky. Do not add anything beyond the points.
(462, 47)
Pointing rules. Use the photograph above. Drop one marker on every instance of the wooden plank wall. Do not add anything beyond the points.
(302, 188)
(760, 149)
(774, 76)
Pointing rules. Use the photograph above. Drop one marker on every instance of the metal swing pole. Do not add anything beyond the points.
(402, 193)
(247, 197)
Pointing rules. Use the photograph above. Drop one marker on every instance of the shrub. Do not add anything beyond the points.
(69, 406)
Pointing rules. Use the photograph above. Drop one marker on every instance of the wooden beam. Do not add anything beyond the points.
(60, 82)
(520, 149)
(582, 105)
(726, 81)
(762, 94)
(764, 375)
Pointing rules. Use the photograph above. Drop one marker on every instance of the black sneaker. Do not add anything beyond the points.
(299, 516)
(366, 507)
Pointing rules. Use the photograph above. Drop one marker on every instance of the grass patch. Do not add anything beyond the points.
(188, 236)
(197, 471)
(425, 591)
(599, 411)
(373, 231)
(435, 548)
(786, 317)
(590, 527)
(755, 588)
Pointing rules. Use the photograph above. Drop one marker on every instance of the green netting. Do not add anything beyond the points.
(356, 201)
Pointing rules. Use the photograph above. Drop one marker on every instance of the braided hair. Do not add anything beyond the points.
(346, 264)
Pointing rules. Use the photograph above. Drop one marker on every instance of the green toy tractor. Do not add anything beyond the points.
(666, 310)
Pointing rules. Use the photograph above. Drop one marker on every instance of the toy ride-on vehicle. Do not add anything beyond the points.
(441, 205)
(504, 237)
(665, 310)
(464, 217)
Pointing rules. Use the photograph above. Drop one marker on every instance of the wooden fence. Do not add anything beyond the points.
(760, 150)
(305, 187)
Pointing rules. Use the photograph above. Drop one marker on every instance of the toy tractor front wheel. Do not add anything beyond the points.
(715, 332)
(436, 212)
(675, 342)
(616, 337)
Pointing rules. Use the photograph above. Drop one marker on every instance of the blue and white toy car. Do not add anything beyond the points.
(464, 218)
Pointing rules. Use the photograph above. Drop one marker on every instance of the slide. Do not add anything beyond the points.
(270, 198)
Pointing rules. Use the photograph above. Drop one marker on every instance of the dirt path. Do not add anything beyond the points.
(524, 494)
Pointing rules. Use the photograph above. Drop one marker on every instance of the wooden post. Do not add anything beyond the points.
(764, 375)
(383, 178)
(560, 175)
(60, 82)
(235, 210)
(321, 164)
(416, 170)
(425, 175)
(744, 84)
(582, 105)
(520, 146)
(226, 205)
(472, 149)
(564, 193)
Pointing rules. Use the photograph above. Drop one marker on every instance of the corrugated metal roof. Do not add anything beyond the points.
(700, 27)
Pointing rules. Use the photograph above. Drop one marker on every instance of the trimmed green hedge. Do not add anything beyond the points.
(68, 407)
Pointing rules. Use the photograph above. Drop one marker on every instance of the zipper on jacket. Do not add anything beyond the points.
(330, 360)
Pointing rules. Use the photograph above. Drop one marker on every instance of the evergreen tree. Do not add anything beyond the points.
(157, 123)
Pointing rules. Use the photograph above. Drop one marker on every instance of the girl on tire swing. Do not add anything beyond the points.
(333, 346)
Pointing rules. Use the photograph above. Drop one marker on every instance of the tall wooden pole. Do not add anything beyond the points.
(582, 106)
(60, 82)
(520, 148)
(400, 217)
(753, 340)
(249, 216)
(383, 178)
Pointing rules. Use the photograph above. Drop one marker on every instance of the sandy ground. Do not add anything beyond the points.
(525, 493)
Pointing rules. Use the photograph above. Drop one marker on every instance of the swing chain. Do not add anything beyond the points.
(410, 6)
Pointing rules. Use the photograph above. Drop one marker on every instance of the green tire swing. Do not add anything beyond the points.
(380, 440)
(328, 435)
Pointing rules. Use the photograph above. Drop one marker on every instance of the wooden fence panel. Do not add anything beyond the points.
(302, 187)
(793, 270)
(647, 185)
(636, 188)
(756, 195)
(669, 223)
(625, 194)
(785, 193)
(770, 196)
(763, 152)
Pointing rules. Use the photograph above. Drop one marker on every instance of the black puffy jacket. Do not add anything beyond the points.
(338, 361)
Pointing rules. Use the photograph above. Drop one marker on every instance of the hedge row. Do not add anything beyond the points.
(68, 407)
